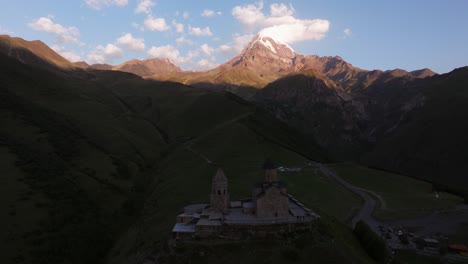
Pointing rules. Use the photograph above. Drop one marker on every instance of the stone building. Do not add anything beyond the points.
(271, 196)
(219, 199)
(270, 210)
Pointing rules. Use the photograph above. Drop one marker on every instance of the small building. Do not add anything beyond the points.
(458, 249)
(270, 210)
(431, 243)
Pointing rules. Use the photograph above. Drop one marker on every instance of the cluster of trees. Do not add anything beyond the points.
(371, 242)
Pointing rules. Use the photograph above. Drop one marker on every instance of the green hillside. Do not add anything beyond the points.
(97, 165)
(431, 141)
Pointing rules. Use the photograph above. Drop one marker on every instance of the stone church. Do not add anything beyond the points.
(270, 206)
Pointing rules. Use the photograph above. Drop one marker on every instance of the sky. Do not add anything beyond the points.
(199, 35)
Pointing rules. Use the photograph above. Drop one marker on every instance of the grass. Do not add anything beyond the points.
(105, 165)
(320, 191)
(185, 178)
(403, 197)
(461, 236)
(430, 141)
(410, 257)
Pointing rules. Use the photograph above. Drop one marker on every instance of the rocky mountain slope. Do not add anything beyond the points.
(149, 67)
(97, 162)
(419, 129)
(32, 53)
(95, 167)
(409, 125)
(265, 60)
(313, 104)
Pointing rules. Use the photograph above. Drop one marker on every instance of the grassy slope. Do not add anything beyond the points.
(431, 142)
(82, 157)
(81, 154)
(185, 178)
(32, 52)
(403, 196)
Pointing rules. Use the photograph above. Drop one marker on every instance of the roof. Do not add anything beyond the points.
(183, 228)
(267, 185)
(219, 176)
(215, 216)
(269, 165)
(235, 204)
(458, 247)
(297, 212)
(207, 222)
(268, 189)
(194, 208)
(248, 204)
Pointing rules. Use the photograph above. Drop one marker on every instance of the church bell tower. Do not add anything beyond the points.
(219, 192)
(271, 174)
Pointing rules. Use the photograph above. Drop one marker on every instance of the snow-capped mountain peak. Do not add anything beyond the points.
(276, 47)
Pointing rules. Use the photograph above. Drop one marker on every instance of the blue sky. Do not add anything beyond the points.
(201, 34)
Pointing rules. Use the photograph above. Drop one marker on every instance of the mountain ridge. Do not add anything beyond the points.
(262, 61)
(33, 52)
(265, 60)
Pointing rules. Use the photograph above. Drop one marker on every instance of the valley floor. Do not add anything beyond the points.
(440, 215)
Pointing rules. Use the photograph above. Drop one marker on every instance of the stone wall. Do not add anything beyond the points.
(272, 204)
(261, 231)
(219, 202)
(271, 175)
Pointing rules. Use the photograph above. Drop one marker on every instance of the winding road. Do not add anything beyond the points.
(365, 214)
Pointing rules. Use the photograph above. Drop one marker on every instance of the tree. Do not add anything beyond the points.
(371, 242)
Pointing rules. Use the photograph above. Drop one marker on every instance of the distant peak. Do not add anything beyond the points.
(275, 46)
(267, 39)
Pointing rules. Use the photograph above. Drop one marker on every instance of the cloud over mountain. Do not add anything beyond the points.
(105, 54)
(280, 23)
(131, 43)
(61, 33)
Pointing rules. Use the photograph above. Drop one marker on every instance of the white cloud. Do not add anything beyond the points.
(237, 44)
(250, 16)
(144, 6)
(158, 24)
(208, 13)
(98, 4)
(131, 43)
(185, 15)
(205, 64)
(280, 23)
(105, 54)
(70, 56)
(61, 33)
(200, 31)
(166, 52)
(347, 32)
(206, 49)
(279, 10)
(5, 31)
(66, 54)
(183, 40)
(179, 27)
(173, 54)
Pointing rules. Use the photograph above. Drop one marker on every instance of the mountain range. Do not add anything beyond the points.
(347, 110)
(100, 158)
